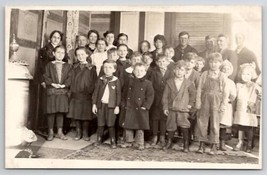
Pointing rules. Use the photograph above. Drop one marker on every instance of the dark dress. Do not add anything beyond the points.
(82, 87)
(140, 94)
(57, 99)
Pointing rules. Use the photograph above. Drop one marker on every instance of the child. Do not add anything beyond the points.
(112, 55)
(200, 64)
(212, 97)
(140, 96)
(169, 52)
(147, 60)
(160, 76)
(144, 47)
(81, 42)
(82, 87)
(123, 39)
(106, 102)
(247, 94)
(177, 100)
(57, 77)
(110, 37)
(227, 117)
(100, 55)
(160, 44)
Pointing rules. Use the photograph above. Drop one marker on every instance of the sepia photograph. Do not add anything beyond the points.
(133, 87)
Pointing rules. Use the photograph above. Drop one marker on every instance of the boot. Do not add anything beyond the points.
(201, 148)
(186, 140)
(154, 141)
(85, 134)
(113, 143)
(213, 149)
(222, 145)
(169, 141)
(98, 141)
(50, 135)
(239, 146)
(78, 133)
(162, 141)
(249, 146)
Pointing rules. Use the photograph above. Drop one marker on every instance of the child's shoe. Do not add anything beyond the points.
(78, 134)
(168, 145)
(85, 135)
(50, 136)
(126, 145)
(213, 149)
(98, 141)
(222, 145)
(162, 141)
(201, 148)
(154, 141)
(141, 147)
(113, 143)
(239, 146)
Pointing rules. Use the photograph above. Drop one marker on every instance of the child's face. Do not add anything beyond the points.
(199, 66)
(139, 71)
(190, 64)
(169, 52)
(81, 55)
(226, 70)
(180, 72)
(215, 65)
(59, 54)
(123, 40)
(109, 69)
(158, 44)
(93, 38)
(110, 38)
(82, 41)
(122, 51)
(162, 63)
(246, 76)
(144, 47)
(56, 38)
(114, 56)
(135, 60)
(147, 59)
(101, 46)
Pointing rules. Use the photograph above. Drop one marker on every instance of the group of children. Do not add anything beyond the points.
(149, 93)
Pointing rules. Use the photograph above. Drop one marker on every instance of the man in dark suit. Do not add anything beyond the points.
(183, 46)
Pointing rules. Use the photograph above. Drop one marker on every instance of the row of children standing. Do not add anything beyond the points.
(146, 91)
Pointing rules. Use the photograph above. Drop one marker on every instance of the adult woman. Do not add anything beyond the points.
(144, 47)
(110, 37)
(92, 36)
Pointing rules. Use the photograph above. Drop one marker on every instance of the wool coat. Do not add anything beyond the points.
(140, 93)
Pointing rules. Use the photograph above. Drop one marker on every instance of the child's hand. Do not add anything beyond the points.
(55, 85)
(198, 104)
(94, 109)
(62, 85)
(222, 108)
(143, 108)
(166, 112)
(189, 107)
(43, 84)
(117, 110)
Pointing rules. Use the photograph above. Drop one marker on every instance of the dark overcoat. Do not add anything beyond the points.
(179, 53)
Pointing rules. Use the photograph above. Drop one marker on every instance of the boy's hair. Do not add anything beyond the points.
(111, 62)
(112, 50)
(122, 34)
(183, 33)
(136, 54)
(190, 56)
(60, 47)
(56, 31)
(93, 31)
(122, 45)
(161, 38)
(102, 39)
(108, 32)
(215, 57)
(86, 50)
(179, 64)
(201, 59)
(140, 65)
(161, 56)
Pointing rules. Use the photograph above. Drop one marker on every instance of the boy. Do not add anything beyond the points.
(123, 39)
(140, 96)
(200, 64)
(160, 76)
(178, 99)
(211, 101)
(106, 102)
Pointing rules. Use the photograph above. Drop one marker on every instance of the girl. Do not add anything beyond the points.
(81, 42)
(169, 52)
(57, 77)
(247, 94)
(227, 117)
(82, 87)
(100, 55)
(144, 47)
(160, 44)
(92, 36)
(110, 37)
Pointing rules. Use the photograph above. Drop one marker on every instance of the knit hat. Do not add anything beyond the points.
(227, 63)
(248, 67)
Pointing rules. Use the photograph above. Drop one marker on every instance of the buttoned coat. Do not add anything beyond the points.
(140, 93)
(179, 52)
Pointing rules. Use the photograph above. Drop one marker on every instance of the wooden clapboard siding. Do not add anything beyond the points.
(198, 25)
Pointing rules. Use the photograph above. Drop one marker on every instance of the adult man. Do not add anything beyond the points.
(244, 54)
(227, 54)
(183, 46)
(210, 42)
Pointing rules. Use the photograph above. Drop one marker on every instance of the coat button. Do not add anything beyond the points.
(139, 98)
(128, 98)
(129, 88)
(136, 108)
(142, 89)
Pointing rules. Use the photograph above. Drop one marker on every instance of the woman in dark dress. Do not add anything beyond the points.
(92, 36)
